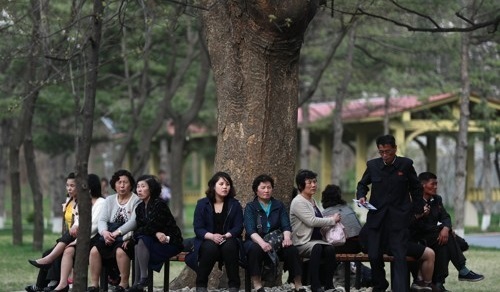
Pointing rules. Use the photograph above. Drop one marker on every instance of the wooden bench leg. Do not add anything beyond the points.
(103, 279)
(347, 276)
(150, 280)
(359, 273)
(166, 276)
(248, 281)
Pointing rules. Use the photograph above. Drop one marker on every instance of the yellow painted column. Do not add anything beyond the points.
(361, 153)
(399, 134)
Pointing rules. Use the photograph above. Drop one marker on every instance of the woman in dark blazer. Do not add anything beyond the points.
(157, 236)
(218, 224)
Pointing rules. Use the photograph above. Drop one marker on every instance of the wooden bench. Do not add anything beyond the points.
(346, 258)
(358, 259)
(166, 272)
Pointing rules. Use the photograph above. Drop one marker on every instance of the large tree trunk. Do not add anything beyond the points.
(254, 49)
(85, 116)
(462, 143)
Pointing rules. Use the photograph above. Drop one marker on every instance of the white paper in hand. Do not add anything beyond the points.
(366, 205)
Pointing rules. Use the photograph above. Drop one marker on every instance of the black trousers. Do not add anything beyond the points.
(395, 242)
(451, 251)
(227, 253)
(322, 266)
(289, 255)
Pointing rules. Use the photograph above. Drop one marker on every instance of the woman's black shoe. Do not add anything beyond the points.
(65, 289)
(40, 266)
(140, 286)
(136, 288)
(32, 288)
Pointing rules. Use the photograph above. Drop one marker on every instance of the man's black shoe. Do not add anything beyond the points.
(439, 287)
(471, 277)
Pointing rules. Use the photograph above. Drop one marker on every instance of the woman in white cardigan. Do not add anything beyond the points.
(306, 220)
(67, 261)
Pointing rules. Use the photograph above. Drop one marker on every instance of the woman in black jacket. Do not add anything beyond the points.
(157, 235)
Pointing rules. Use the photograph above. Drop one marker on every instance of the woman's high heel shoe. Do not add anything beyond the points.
(40, 266)
(65, 289)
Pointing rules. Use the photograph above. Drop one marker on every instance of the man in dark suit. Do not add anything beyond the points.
(393, 179)
(433, 227)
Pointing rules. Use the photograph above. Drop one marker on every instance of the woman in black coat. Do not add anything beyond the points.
(157, 235)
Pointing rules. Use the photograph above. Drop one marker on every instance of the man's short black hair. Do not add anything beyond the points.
(426, 176)
(386, 140)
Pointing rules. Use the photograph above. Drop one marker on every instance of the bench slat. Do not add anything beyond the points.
(343, 257)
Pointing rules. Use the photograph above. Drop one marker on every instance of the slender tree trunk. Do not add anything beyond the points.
(40, 31)
(487, 187)
(30, 159)
(5, 126)
(84, 137)
(23, 126)
(338, 126)
(304, 137)
(181, 124)
(462, 143)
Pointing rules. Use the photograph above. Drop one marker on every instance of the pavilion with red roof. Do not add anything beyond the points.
(408, 117)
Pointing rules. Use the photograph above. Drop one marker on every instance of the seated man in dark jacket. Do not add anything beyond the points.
(433, 227)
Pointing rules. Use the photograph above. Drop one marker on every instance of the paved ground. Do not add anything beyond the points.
(484, 239)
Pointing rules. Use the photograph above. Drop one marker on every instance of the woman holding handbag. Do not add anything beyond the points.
(332, 202)
(307, 220)
(263, 217)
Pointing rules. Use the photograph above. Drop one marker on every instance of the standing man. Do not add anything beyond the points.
(433, 227)
(393, 179)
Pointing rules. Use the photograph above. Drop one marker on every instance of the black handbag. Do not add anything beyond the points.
(112, 226)
(275, 239)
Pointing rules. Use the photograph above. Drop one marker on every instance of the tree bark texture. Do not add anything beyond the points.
(181, 124)
(462, 144)
(5, 126)
(338, 126)
(84, 138)
(23, 126)
(40, 9)
(254, 49)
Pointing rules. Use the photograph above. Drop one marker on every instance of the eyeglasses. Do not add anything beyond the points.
(387, 152)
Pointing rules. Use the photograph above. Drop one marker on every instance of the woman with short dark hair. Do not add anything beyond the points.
(218, 224)
(332, 201)
(264, 215)
(307, 220)
(116, 226)
(157, 236)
